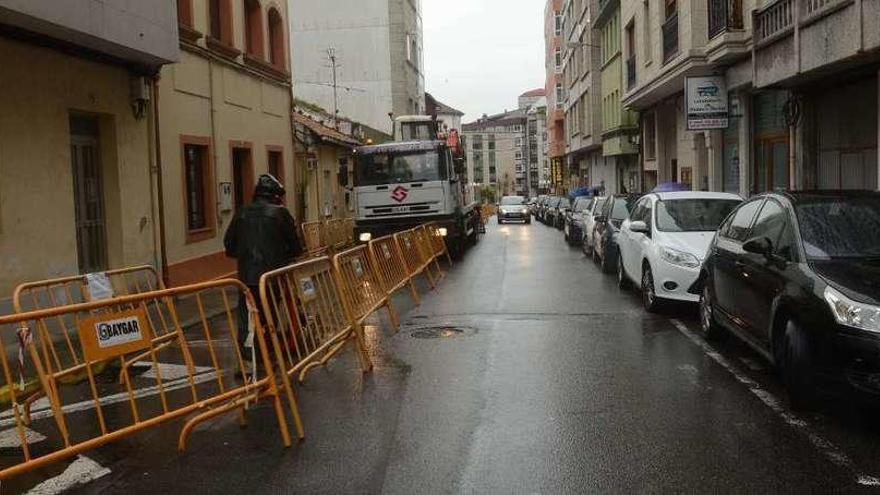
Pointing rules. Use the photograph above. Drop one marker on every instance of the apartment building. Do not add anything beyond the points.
(77, 135)
(621, 170)
(538, 166)
(496, 147)
(797, 80)
(581, 71)
(555, 91)
(377, 58)
(225, 119)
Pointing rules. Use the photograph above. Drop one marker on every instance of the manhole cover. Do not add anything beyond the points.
(439, 332)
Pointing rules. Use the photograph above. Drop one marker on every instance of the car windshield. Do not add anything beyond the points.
(582, 204)
(512, 200)
(840, 227)
(564, 203)
(393, 168)
(621, 208)
(693, 214)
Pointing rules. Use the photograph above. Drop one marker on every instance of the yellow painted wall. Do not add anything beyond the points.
(40, 88)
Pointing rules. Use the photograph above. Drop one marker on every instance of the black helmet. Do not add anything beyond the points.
(268, 185)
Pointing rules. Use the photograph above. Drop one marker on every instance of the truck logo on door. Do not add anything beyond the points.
(399, 194)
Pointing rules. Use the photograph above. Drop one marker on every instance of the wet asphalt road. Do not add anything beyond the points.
(558, 383)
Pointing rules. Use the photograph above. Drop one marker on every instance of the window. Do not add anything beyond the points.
(671, 8)
(253, 28)
(184, 13)
(491, 145)
(772, 223)
(478, 168)
(739, 225)
(276, 39)
(275, 163)
(557, 30)
(220, 21)
(198, 187)
(650, 136)
(478, 141)
(557, 56)
(560, 94)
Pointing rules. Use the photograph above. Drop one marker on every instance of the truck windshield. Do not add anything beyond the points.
(394, 168)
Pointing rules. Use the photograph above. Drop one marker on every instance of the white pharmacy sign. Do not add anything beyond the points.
(706, 103)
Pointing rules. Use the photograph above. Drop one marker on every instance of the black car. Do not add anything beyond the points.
(797, 276)
(542, 207)
(555, 212)
(573, 219)
(612, 212)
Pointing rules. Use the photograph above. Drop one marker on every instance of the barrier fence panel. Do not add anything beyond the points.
(360, 286)
(155, 377)
(302, 307)
(412, 255)
(391, 266)
(64, 291)
(337, 239)
(349, 231)
(438, 242)
(314, 237)
(426, 250)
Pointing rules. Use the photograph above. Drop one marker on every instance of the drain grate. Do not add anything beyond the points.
(441, 332)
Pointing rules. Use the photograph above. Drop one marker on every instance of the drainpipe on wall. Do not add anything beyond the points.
(160, 195)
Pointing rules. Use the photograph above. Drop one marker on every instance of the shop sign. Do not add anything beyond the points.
(707, 104)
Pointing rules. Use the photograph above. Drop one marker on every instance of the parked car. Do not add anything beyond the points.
(513, 208)
(797, 276)
(590, 222)
(556, 212)
(537, 204)
(542, 208)
(664, 240)
(573, 221)
(612, 212)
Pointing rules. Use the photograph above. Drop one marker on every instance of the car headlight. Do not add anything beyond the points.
(524, 211)
(851, 313)
(365, 237)
(680, 258)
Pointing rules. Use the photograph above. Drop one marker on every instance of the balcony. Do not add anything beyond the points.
(670, 37)
(774, 21)
(724, 15)
(631, 72)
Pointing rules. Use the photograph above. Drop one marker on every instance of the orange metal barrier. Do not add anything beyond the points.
(438, 242)
(391, 267)
(336, 237)
(302, 304)
(348, 226)
(361, 288)
(426, 250)
(413, 255)
(77, 289)
(203, 349)
(314, 238)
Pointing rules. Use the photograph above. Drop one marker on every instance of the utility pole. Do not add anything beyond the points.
(331, 54)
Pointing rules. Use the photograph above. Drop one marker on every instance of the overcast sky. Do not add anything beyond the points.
(481, 54)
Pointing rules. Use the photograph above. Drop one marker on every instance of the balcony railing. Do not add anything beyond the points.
(724, 15)
(774, 21)
(631, 72)
(670, 37)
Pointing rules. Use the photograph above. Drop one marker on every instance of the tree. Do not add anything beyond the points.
(488, 194)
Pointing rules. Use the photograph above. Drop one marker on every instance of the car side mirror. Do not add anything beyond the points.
(760, 245)
(639, 226)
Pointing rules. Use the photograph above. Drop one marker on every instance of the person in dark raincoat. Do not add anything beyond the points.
(261, 237)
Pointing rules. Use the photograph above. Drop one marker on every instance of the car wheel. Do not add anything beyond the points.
(622, 281)
(797, 368)
(649, 295)
(595, 255)
(529, 221)
(711, 329)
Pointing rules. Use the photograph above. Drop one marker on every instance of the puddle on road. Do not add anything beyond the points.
(440, 332)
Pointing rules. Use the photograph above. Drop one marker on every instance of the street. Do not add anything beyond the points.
(538, 376)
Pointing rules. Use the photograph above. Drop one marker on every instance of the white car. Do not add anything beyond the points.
(589, 222)
(664, 241)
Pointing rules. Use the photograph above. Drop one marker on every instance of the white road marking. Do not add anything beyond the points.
(169, 371)
(9, 438)
(168, 386)
(826, 448)
(81, 471)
